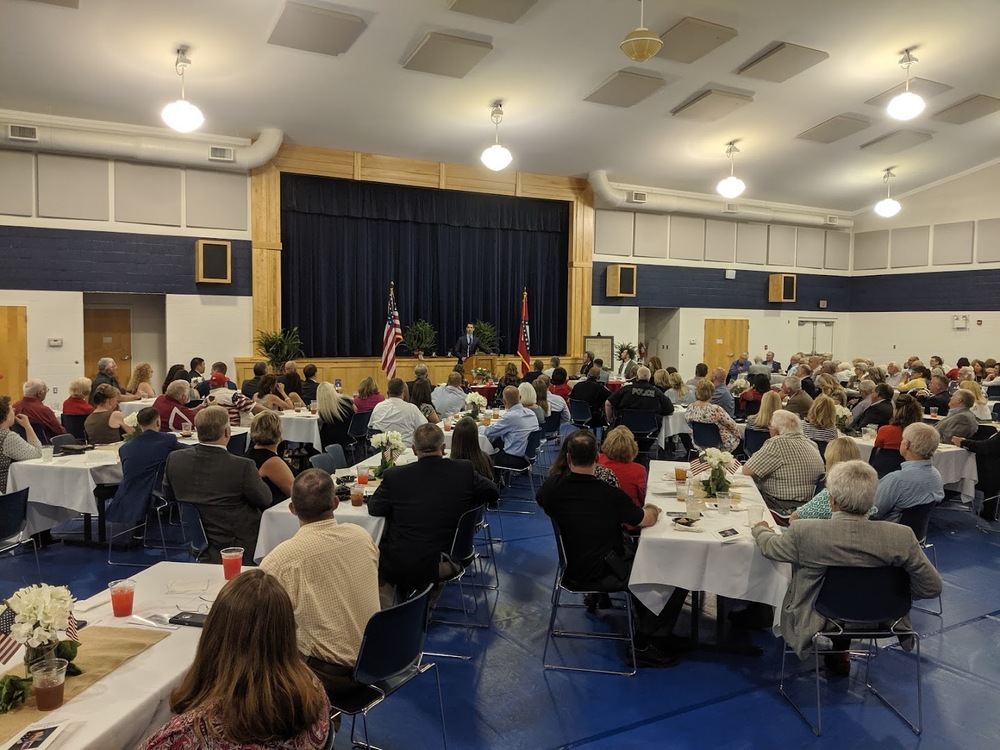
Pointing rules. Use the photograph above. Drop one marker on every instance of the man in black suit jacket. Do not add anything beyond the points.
(228, 491)
(468, 344)
(595, 393)
(805, 375)
(422, 503)
(880, 412)
(936, 395)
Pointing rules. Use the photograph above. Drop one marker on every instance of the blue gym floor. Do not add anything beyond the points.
(502, 698)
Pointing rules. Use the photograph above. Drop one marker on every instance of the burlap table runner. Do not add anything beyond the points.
(102, 651)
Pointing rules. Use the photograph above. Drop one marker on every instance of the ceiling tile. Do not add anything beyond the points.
(692, 38)
(927, 89)
(968, 110)
(446, 55)
(507, 11)
(64, 3)
(834, 129)
(782, 61)
(896, 141)
(711, 105)
(320, 30)
(625, 88)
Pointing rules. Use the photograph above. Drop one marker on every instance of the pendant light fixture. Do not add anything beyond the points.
(732, 186)
(641, 44)
(496, 157)
(907, 105)
(888, 206)
(182, 115)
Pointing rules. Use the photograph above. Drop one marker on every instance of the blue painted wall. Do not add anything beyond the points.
(68, 260)
(942, 290)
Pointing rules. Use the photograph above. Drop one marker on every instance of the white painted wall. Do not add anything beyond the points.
(895, 336)
(620, 322)
(216, 328)
(52, 315)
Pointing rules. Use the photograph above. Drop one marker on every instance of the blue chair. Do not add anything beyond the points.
(579, 413)
(993, 392)
(706, 435)
(751, 409)
(58, 441)
(13, 522)
(644, 426)
(238, 444)
(918, 518)
(74, 425)
(324, 462)
(885, 461)
(821, 444)
(337, 451)
(357, 430)
(753, 439)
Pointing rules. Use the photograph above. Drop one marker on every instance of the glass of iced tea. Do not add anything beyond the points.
(680, 473)
(122, 597)
(48, 681)
(232, 562)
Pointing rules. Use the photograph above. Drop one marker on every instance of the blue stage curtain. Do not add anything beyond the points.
(454, 257)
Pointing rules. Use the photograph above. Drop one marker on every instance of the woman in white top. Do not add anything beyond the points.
(981, 409)
(820, 423)
(678, 393)
(12, 446)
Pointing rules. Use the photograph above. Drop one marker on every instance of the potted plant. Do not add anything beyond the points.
(278, 347)
(420, 337)
(626, 346)
(487, 334)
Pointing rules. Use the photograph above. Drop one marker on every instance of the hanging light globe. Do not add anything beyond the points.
(887, 208)
(182, 116)
(906, 106)
(731, 187)
(496, 157)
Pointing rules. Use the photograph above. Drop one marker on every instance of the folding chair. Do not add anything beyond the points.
(238, 444)
(58, 441)
(74, 425)
(992, 392)
(391, 655)
(14, 522)
(644, 426)
(851, 599)
(324, 461)
(996, 412)
(706, 435)
(357, 430)
(885, 461)
(195, 538)
(751, 408)
(753, 440)
(985, 432)
(579, 413)
(337, 451)
(558, 588)
(821, 445)
(918, 518)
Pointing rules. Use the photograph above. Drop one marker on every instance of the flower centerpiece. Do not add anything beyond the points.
(718, 478)
(481, 374)
(843, 418)
(477, 402)
(391, 445)
(132, 420)
(37, 615)
(738, 386)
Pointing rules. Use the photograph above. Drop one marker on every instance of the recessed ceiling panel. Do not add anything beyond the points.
(782, 61)
(834, 129)
(446, 55)
(896, 141)
(712, 105)
(691, 38)
(507, 11)
(971, 109)
(927, 89)
(625, 89)
(311, 29)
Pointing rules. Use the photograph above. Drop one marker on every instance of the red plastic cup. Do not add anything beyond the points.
(362, 476)
(122, 597)
(232, 562)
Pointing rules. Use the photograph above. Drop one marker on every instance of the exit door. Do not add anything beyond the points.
(725, 340)
(14, 344)
(107, 332)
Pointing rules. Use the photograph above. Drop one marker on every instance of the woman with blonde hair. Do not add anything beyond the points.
(661, 380)
(265, 437)
(981, 409)
(335, 411)
(828, 386)
(618, 452)
(677, 391)
(820, 423)
(139, 383)
(367, 396)
(529, 400)
(248, 688)
(839, 450)
(769, 403)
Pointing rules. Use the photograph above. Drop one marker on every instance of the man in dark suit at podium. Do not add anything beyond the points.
(468, 344)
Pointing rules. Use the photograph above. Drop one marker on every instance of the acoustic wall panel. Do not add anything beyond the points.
(781, 245)
(216, 200)
(720, 241)
(838, 251)
(146, 194)
(911, 247)
(810, 247)
(953, 243)
(651, 234)
(751, 243)
(613, 232)
(17, 183)
(871, 250)
(988, 240)
(687, 238)
(73, 187)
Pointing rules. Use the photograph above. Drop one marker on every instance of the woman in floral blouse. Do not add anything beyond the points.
(839, 450)
(703, 410)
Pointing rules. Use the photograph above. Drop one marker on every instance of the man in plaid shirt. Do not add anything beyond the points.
(787, 465)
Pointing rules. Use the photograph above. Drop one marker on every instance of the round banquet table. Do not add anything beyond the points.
(614, 385)
(487, 391)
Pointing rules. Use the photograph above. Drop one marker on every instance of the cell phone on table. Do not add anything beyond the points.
(686, 522)
(190, 619)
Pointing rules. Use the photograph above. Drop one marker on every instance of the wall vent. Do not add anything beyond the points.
(221, 153)
(635, 196)
(731, 208)
(832, 220)
(24, 133)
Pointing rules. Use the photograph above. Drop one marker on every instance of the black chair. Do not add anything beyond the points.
(996, 412)
(985, 432)
(74, 425)
(644, 426)
(821, 444)
(40, 433)
(918, 518)
(58, 441)
(391, 655)
(579, 413)
(751, 408)
(530, 457)
(753, 439)
(852, 600)
(550, 427)
(558, 588)
(993, 392)
(195, 538)
(195, 403)
(820, 485)
(885, 461)
(357, 430)
(706, 435)
(238, 444)
(14, 522)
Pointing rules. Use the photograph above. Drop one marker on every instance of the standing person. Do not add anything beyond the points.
(468, 344)
(227, 699)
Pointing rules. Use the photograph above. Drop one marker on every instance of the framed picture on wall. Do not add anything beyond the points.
(603, 348)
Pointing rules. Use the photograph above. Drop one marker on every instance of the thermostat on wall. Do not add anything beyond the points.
(55, 342)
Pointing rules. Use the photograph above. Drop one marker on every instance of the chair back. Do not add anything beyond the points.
(131, 500)
(753, 439)
(821, 444)
(238, 444)
(358, 428)
(992, 392)
(751, 408)
(324, 462)
(917, 518)
(60, 440)
(985, 432)
(706, 435)
(337, 451)
(579, 412)
(996, 412)
(641, 422)
(885, 461)
(551, 424)
(864, 594)
(393, 641)
(74, 425)
(463, 548)
(560, 549)
(534, 440)
(820, 485)
(194, 530)
(13, 514)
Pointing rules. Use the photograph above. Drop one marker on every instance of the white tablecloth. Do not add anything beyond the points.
(667, 558)
(133, 407)
(956, 465)
(675, 424)
(484, 443)
(278, 524)
(126, 706)
(301, 427)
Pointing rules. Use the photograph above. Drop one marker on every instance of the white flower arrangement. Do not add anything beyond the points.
(390, 439)
(717, 459)
(40, 612)
(842, 412)
(481, 372)
(738, 386)
(132, 420)
(474, 399)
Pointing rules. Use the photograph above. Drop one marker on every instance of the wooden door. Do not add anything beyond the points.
(107, 332)
(14, 344)
(725, 340)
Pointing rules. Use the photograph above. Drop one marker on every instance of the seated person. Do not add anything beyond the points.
(143, 458)
(12, 446)
(760, 385)
(797, 400)
(704, 411)
(820, 423)
(560, 387)
(226, 699)
(839, 450)
(265, 437)
(769, 404)
(981, 409)
(173, 410)
(309, 384)
(511, 431)
(936, 396)
(915, 382)
(679, 393)
(641, 395)
(879, 411)
(465, 445)
(449, 399)
(271, 395)
(240, 408)
(335, 413)
(534, 372)
(960, 422)
(421, 396)
(32, 405)
(848, 539)
(140, 383)
(396, 413)
(591, 390)
(529, 400)
(106, 424)
(249, 386)
(207, 384)
(917, 482)
(78, 402)
(367, 396)
(557, 404)
(787, 465)
(906, 411)
(618, 452)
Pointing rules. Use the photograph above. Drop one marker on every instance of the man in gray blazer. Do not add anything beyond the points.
(848, 539)
(227, 490)
(960, 422)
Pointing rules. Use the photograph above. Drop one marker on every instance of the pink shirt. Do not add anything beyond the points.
(368, 402)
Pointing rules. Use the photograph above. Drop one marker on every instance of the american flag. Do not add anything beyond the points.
(71, 631)
(524, 339)
(8, 646)
(392, 336)
(700, 465)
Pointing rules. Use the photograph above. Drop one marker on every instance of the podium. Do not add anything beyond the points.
(487, 361)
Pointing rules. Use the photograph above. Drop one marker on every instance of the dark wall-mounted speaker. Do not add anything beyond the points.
(781, 287)
(621, 281)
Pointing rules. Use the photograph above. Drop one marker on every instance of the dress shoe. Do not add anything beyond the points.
(749, 619)
(651, 656)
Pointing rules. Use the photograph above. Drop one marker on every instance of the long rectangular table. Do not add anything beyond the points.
(957, 466)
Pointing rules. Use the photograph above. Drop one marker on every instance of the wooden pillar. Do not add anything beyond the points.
(265, 225)
(579, 290)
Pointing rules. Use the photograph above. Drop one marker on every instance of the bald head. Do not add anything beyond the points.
(718, 376)
(510, 396)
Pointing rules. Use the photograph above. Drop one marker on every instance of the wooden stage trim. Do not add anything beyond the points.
(352, 370)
